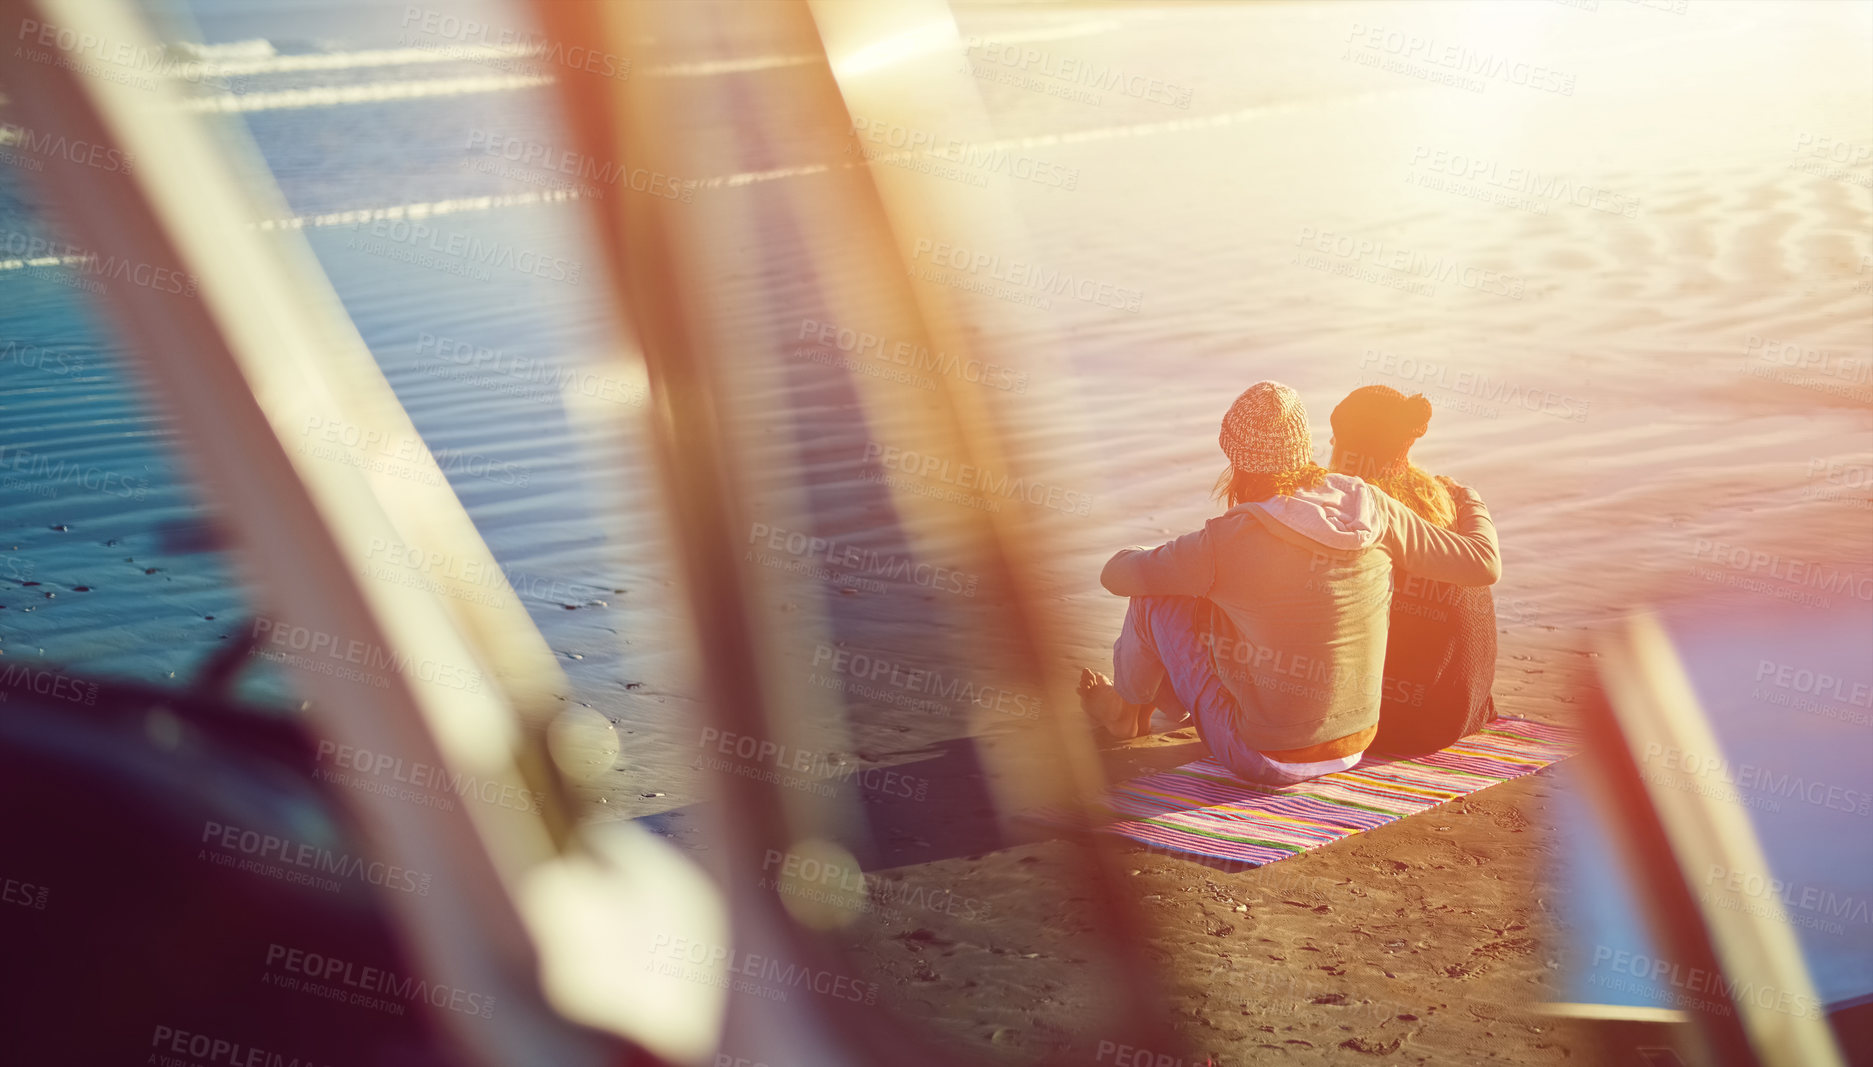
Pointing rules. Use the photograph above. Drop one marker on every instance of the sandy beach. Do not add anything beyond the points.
(1630, 267)
(1647, 343)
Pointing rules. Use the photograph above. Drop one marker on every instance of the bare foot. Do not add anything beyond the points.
(1103, 704)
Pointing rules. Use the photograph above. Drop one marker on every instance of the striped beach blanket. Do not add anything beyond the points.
(1201, 810)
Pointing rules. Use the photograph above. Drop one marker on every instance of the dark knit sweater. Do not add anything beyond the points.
(1440, 660)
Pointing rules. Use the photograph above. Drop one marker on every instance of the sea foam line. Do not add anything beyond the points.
(460, 205)
(44, 261)
(464, 204)
(369, 92)
(428, 209)
(247, 58)
(245, 66)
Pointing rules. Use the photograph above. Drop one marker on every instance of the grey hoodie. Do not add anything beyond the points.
(1304, 588)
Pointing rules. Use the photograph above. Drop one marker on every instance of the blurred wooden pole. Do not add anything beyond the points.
(1663, 831)
(648, 243)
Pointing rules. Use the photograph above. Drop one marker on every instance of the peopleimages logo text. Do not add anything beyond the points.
(439, 25)
(375, 980)
(217, 1051)
(1430, 374)
(829, 881)
(1412, 262)
(50, 684)
(363, 661)
(924, 681)
(915, 357)
(1730, 988)
(1049, 280)
(575, 164)
(1756, 777)
(310, 857)
(91, 266)
(777, 974)
(48, 145)
(426, 776)
(863, 562)
(1797, 896)
(905, 142)
(1758, 563)
(472, 250)
(970, 477)
(1815, 683)
(1460, 58)
(1524, 180)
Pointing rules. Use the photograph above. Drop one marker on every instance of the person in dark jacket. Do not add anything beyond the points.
(1440, 652)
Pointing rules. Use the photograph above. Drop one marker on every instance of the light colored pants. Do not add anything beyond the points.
(1161, 642)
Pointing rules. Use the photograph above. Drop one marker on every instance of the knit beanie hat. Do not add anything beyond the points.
(1265, 430)
(1380, 422)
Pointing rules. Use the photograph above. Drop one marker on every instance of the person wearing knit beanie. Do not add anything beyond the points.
(1265, 431)
(1267, 626)
(1270, 450)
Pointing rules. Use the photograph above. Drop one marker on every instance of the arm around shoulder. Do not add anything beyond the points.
(1466, 554)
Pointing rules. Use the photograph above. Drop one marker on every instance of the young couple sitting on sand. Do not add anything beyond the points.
(1324, 613)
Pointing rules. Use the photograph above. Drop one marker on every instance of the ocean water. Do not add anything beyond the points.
(98, 505)
(487, 318)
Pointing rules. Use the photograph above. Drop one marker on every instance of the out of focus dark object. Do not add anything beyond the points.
(175, 872)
